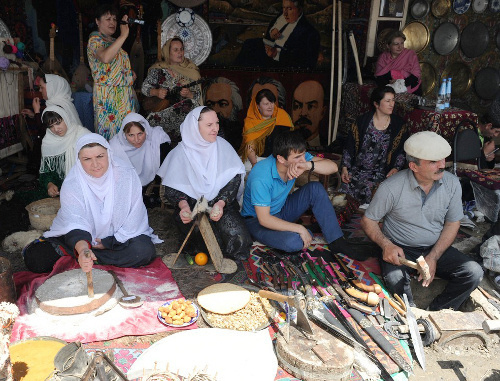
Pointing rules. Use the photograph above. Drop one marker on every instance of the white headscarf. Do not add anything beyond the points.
(146, 159)
(59, 94)
(197, 167)
(110, 205)
(58, 152)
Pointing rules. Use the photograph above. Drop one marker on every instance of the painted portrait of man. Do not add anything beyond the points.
(269, 83)
(309, 109)
(290, 41)
(223, 96)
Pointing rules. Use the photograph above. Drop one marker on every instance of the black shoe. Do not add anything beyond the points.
(353, 250)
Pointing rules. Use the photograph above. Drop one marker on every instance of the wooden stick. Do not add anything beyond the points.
(158, 38)
(332, 77)
(184, 243)
(356, 58)
(90, 281)
(339, 72)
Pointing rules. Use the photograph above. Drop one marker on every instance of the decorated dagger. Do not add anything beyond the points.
(353, 279)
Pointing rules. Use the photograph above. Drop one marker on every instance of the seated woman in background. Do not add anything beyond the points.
(102, 216)
(56, 92)
(264, 121)
(374, 147)
(204, 165)
(145, 147)
(58, 148)
(174, 70)
(397, 62)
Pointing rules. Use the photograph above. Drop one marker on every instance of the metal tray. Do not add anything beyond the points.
(203, 313)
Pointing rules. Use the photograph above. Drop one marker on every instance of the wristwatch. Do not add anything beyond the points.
(312, 166)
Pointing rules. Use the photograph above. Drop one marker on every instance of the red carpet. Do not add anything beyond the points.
(153, 283)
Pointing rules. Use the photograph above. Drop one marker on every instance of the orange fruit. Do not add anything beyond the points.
(201, 259)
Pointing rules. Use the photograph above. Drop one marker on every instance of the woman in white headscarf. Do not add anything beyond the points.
(58, 148)
(145, 147)
(56, 92)
(205, 165)
(102, 216)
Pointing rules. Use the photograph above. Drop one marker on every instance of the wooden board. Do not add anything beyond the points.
(66, 293)
(457, 321)
(319, 358)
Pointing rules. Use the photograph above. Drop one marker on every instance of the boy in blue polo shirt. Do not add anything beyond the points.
(270, 211)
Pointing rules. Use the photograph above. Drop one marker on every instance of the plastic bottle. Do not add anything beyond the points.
(440, 102)
(448, 94)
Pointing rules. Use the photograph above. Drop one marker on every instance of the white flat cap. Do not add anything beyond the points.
(427, 145)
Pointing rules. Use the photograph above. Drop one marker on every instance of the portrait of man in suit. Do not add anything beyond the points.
(308, 110)
(290, 41)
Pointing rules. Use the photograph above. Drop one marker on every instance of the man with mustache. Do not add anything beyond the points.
(308, 110)
(421, 208)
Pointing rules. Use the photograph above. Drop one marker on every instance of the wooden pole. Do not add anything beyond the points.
(356, 58)
(339, 71)
(332, 77)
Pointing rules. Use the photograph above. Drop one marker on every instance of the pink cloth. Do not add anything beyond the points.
(400, 67)
(153, 283)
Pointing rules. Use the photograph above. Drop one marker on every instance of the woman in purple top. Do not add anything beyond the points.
(374, 147)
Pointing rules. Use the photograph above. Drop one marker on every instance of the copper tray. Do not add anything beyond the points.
(440, 8)
(461, 78)
(446, 38)
(474, 39)
(429, 78)
(487, 83)
(417, 36)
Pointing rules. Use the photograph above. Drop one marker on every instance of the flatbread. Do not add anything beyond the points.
(223, 298)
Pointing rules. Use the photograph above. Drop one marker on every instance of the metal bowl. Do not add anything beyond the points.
(419, 9)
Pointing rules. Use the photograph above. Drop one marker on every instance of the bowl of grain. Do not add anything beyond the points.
(43, 212)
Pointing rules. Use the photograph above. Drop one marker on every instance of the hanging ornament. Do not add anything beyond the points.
(4, 63)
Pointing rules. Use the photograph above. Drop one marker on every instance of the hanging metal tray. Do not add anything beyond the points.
(419, 9)
(429, 78)
(474, 39)
(417, 36)
(446, 38)
(461, 78)
(440, 8)
(487, 83)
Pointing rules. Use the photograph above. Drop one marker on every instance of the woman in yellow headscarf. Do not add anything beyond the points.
(172, 71)
(264, 121)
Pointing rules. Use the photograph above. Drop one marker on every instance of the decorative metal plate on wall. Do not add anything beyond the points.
(197, 38)
(4, 30)
(419, 9)
(440, 8)
(474, 39)
(461, 78)
(417, 36)
(445, 39)
(429, 78)
(487, 83)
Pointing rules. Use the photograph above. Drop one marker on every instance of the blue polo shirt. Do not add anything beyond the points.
(265, 187)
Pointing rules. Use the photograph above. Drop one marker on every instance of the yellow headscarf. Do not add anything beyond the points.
(256, 129)
(186, 68)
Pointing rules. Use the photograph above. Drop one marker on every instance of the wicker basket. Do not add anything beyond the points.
(43, 212)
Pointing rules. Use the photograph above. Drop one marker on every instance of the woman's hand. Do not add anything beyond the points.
(251, 155)
(52, 190)
(99, 244)
(345, 176)
(86, 257)
(185, 213)
(186, 93)
(134, 76)
(217, 210)
(160, 93)
(392, 172)
(124, 28)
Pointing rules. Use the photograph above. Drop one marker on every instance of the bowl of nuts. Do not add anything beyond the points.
(178, 313)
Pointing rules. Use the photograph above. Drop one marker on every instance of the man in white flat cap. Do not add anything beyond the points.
(422, 207)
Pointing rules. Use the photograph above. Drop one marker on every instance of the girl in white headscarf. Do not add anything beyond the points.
(58, 148)
(205, 165)
(102, 216)
(142, 145)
